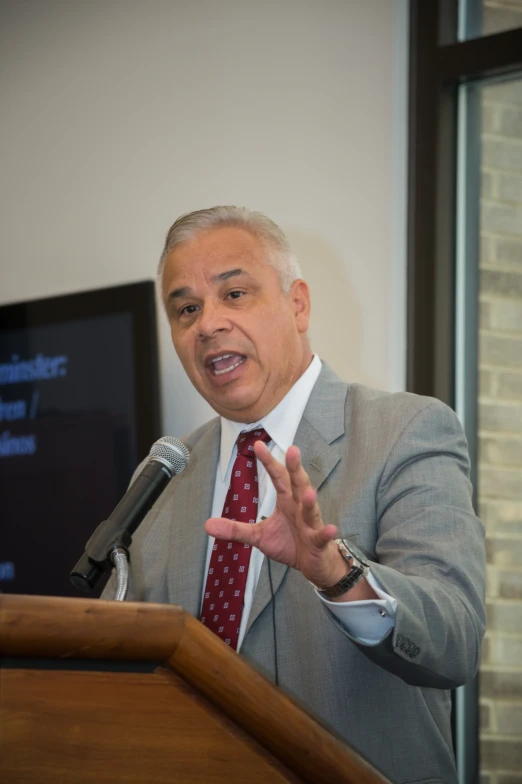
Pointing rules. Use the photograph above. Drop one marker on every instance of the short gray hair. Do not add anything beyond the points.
(280, 255)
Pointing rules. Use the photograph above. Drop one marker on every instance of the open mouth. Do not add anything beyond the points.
(226, 363)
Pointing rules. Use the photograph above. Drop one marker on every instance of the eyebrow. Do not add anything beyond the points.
(185, 291)
(228, 274)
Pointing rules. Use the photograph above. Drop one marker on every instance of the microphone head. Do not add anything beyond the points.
(172, 452)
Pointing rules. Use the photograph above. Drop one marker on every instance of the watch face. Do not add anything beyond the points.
(354, 550)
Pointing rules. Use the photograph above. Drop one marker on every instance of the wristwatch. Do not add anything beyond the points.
(359, 568)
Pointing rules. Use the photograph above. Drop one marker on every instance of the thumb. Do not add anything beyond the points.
(233, 530)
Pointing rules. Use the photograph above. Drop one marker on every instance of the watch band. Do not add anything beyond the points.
(359, 569)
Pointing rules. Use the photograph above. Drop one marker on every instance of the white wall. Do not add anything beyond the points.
(119, 115)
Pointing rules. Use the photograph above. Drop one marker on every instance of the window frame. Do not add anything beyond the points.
(439, 65)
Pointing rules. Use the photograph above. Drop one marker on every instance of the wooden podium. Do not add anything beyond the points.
(105, 692)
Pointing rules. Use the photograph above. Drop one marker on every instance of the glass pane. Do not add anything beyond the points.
(489, 395)
(485, 17)
(500, 421)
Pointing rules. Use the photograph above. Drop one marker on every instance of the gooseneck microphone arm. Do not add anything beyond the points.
(113, 537)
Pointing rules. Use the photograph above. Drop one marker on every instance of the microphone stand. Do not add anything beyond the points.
(109, 545)
(105, 549)
(120, 560)
(112, 539)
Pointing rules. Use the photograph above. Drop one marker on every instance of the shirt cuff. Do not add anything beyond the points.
(367, 620)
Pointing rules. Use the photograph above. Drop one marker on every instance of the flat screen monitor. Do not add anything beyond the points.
(79, 409)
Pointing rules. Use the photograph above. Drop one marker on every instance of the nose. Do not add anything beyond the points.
(212, 319)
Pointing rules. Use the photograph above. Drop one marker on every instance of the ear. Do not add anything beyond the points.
(300, 297)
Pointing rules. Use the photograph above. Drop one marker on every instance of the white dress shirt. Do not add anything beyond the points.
(367, 620)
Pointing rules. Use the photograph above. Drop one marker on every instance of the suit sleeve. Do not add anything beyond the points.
(430, 555)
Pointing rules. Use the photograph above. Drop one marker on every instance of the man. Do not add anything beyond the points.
(370, 647)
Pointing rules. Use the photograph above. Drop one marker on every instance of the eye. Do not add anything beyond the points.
(235, 294)
(188, 310)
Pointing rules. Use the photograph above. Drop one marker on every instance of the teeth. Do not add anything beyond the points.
(223, 356)
(228, 369)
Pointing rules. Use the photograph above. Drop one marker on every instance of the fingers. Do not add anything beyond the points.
(293, 480)
(299, 479)
(233, 530)
(277, 472)
(310, 509)
(302, 491)
(324, 535)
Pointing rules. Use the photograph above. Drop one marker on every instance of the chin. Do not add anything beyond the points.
(236, 410)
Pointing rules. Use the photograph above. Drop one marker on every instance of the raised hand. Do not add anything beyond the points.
(295, 533)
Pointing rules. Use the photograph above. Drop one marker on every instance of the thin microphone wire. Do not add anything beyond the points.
(276, 668)
(273, 621)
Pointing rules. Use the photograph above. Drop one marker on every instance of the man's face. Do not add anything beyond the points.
(241, 340)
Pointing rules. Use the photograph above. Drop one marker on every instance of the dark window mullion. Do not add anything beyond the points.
(481, 58)
(422, 196)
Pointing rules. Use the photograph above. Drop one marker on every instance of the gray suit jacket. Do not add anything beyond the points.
(392, 472)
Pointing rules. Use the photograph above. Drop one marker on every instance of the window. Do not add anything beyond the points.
(465, 318)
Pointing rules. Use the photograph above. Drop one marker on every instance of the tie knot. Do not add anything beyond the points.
(246, 440)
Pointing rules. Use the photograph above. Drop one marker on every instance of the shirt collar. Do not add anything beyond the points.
(281, 423)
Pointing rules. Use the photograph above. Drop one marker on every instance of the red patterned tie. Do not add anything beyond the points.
(228, 568)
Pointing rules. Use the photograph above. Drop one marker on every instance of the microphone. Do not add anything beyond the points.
(168, 457)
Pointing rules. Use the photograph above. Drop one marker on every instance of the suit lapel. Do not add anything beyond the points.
(188, 541)
(321, 425)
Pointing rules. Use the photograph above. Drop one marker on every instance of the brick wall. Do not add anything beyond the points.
(500, 414)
